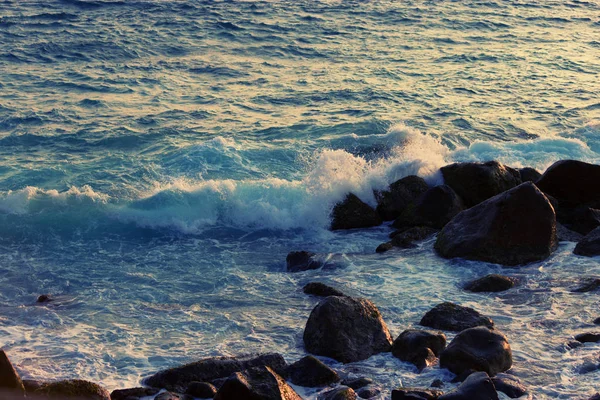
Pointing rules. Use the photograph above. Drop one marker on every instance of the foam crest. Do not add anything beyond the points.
(33, 199)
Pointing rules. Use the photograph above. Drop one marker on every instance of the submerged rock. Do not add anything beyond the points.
(588, 337)
(515, 227)
(357, 383)
(311, 372)
(44, 298)
(572, 182)
(476, 182)
(434, 208)
(401, 193)
(258, 383)
(478, 386)
(353, 213)
(412, 346)
(9, 378)
(453, 317)
(490, 283)
(415, 394)
(346, 329)
(509, 385)
(339, 393)
(589, 246)
(587, 285)
(73, 389)
(298, 261)
(529, 174)
(368, 392)
(321, 290)
(128, 394)
(477, 349)
(406, 239)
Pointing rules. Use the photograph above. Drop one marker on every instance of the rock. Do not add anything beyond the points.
(572, 182)
(311, 372)
(476, 182)
(597, 321)
(368, 392)
(589, 246)
(353, 213)
(595, 397)
(587, 367)
(515, 227)
(435, 208)
(339, 393)
(400, 194)
(298, 261)
(588, 337)
(346, 329)
(453, 317)
(437, 383)
(479, 349)
(567, 235)
(321, 290)
(529, 174)
(478, 386)
(405, 239)
(31, 385)
(73, 389)
(383, 247)
(124, 394)
(587, 285)
(168, 396)
(9, 378)
(44, 298)
(509, 385)
(209, 369)
(203, 390)
(357, 383)
(412, 346)
(257, 383)
(415, 394)
(580, 219)
(490, 283)
(573, 344)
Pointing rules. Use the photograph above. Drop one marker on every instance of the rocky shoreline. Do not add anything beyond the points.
(484, 212)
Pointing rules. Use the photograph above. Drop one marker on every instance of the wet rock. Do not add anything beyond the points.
(415, 394)
(529, 174)
(595, 397)
(339, 393)
(589, 246)
(368, 392)
(490, 283)
(580, 219)
(412, 346)
(258, 383)
(298, 261)
(572, 182)
(353, 213)
(478, 349)
(209, 369)
(597, 321)
(509, 385)
(406, 239)
(321, 290)
(346, 329)
(31, 385)
(383, 247)
(587, 367)
(203, 390)
(515, 227)
(478, 386)
(44, 298)
(437, 383)
(124, 394)
(311, 372)
(453, 317)
(587, 285)
(476, 182)
(573, 344)
(566, 235)
(9, 378)
(357, 383)
(168, 396)
(401, 193)
(435, 208)
(588, 337)
(73, 389)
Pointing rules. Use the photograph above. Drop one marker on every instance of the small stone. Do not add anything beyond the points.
(453, 317)
(298, 261)
(357, 383)
(415, 394)
(321, 290)
(383, 247)
(588, 337)
(490, 283)
(44, 298)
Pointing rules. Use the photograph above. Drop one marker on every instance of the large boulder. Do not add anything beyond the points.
(390, 203)
(580, 219)
(476, 182)
(258, 383)
(529, 174)
(353, 213)
(453, 317)
(478, 386)
(209, 369)
(9, 378)
(515, 227)
(477, 349)
(490, 283)
(589, 246)
(434, 208)
(412, 346)
(572, 182)
(311, 372)
(73, 389)
(415, 394)
(346, 329)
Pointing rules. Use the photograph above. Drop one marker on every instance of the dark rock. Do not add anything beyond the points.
(573, 344)
(321, 290)
(529, 174)
(405, 239)
(587, 285)
(412, 346)
(203, 390)
(357, 383)
(339, 393)
(476, 182)
(589, 246)
(383, 247)
(597, 321)
(207, 370)
(298, 261)
(509, 385)
(566, 235)
(401, 193)
(9, 378)
(490, 283)
(73, 389)
(124, 394)
(572, 182)
(311, 372)
(580, 219)
(595, 397)
(346, 329)
(437, 383)
(258, 383)
(368, 392)
(479, 349)
(587, 367)
(515, 227)
(167, 396)
(478, 386)
(44, 298)
(453, 317)
(31, 385)
(353, 213)
(415, 394)
(588, 337)
(218, 382)
(435, 208)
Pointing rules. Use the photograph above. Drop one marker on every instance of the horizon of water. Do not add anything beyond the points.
(162, 158)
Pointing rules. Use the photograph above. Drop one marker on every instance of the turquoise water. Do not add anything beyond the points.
(160, 159)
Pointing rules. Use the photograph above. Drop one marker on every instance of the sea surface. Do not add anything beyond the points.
(159, 159)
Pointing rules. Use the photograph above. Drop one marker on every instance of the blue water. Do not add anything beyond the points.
(160, 159)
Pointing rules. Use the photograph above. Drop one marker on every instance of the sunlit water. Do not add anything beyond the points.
(161, 158)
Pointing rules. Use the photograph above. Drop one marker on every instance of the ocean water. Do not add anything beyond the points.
(161, 158)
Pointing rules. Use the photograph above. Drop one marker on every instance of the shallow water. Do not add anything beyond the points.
(160, 159)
